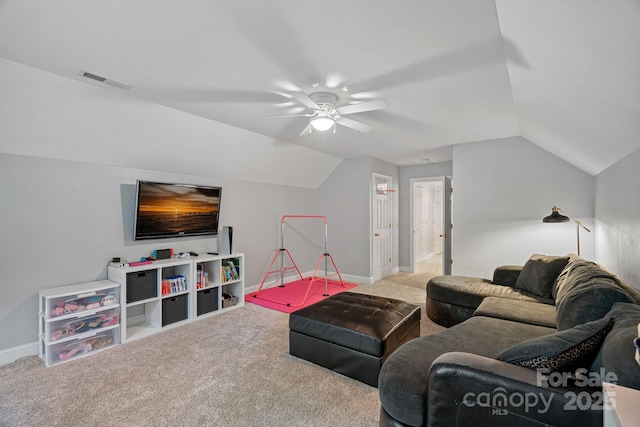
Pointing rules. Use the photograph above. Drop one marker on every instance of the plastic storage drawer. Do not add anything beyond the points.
(175, 309)
(142, 285)
(207, 301)
(58, 352)
(80, 303)
(70, 326)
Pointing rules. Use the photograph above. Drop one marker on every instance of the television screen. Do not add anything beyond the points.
(175, 210)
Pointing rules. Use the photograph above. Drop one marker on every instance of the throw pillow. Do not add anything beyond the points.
(617, 353)
(539, 273)
(564, 351)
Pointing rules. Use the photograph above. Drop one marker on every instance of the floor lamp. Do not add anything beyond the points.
(557, 216)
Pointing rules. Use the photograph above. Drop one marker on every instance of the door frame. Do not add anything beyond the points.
(412, 225)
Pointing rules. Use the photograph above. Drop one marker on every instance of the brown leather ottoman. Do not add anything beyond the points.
(352, 334)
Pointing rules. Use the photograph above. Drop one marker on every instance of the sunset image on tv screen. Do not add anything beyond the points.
(170, 209)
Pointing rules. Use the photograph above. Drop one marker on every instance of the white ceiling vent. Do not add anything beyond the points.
(105, 80)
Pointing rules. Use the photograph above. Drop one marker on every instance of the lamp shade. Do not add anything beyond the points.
(555, 216)
(322, 123)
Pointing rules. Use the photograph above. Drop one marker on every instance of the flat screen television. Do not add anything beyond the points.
(166, 210)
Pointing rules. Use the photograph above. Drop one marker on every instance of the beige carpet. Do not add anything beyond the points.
(228, 370)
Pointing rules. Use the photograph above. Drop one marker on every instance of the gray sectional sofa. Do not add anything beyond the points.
(522, 348)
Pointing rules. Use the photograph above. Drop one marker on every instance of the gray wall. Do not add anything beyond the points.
(617, 202)
(502, 190)
(61, 223)
(345, 198)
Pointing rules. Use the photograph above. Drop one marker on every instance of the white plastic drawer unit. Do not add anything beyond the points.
(78, 320)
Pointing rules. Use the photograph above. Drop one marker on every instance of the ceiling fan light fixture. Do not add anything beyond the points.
(322, 123)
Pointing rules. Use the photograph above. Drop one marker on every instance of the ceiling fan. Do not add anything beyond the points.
(327, 104)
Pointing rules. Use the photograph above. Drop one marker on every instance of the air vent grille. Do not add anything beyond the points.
(105, 80)
(94, 76)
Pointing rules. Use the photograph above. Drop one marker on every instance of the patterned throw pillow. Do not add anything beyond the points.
(564, 351)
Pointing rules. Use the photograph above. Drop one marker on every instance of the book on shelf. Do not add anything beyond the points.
(229, 271)
(174, 284)
(234, 270)
(202, 279)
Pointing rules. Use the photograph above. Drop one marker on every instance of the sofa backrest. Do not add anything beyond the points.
(584, 291)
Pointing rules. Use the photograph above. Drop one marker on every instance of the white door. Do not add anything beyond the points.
(447, 228)
(435, 218)
(382, 220)
(421, 220)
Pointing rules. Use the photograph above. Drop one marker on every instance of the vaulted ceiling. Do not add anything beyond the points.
(564, 74)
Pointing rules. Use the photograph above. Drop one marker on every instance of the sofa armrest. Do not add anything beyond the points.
(471, 390)
(506, 275)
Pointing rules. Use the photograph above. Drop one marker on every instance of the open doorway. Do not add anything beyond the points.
(430, 218)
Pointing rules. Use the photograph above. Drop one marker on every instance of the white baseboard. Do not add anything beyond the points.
(12, 354)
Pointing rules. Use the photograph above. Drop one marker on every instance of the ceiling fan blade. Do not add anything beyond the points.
(333, 80)
(286, 86)
(461, 60)
(305, 100)
(285, 104)
(306, 131)
(285, 94)
(188, 94)
(359, 126)
(365, 95)
(377, 104)
(289, 115)
(297, 110)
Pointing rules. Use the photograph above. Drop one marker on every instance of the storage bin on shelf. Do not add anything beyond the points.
(142, 285)
(175, 309)
(229, 300)
(207, 301)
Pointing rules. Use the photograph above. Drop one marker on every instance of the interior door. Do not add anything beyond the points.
(447, 228)
(381, 226)
(421, 221)
(435, 217)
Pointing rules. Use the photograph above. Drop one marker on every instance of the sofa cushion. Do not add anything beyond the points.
(564, 351)
(529, 312)
(539, 274)
(506, 275)
(589, 301)
(617, 353)
(470, 291)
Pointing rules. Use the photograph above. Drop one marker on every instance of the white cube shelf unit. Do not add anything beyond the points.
(78, 320)
(220, 285)
(172, 292)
